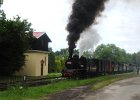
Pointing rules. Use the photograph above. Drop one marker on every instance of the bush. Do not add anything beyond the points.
(15, 38)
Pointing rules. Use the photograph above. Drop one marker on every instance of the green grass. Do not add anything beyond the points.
(54, 75)
(35, 93)
(107, 80)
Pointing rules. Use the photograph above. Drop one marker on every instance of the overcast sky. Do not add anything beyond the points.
(119, 23)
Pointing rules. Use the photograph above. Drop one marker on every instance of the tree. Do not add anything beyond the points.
(105, 52)
(129, 58)
(59, 63)
(51, 61)
(112, 52)
(15, 38)
(61, 57)
(136, 58)
(88, 54)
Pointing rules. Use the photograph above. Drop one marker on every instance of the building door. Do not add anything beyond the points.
(41, 69)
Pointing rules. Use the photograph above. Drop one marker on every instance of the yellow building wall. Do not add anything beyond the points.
(33, 63)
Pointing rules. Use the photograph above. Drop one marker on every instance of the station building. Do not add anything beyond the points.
(36, 59)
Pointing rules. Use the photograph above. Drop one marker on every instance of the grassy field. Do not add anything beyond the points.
(54, 75)
(36, 93)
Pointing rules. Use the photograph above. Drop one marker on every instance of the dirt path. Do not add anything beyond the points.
(128, 89)
(71, 94)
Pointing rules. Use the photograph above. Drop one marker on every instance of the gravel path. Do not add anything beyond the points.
(128, 89)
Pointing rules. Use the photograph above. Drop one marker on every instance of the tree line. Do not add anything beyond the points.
(103, 51)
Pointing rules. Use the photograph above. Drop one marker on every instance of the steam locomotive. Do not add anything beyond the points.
(82, 67)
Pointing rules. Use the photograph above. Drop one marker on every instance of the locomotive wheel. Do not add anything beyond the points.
(75, 75)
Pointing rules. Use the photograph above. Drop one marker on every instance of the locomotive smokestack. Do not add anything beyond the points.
(84, 13)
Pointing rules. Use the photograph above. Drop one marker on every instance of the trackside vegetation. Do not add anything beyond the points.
(15, 38)
(36, 93)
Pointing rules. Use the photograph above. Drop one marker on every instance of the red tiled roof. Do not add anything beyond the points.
(38, 34)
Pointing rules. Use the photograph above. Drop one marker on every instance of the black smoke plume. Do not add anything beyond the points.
(84, 13)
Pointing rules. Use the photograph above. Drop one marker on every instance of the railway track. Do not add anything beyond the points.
(29, 82)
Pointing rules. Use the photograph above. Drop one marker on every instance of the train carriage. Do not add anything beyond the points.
(76, 67)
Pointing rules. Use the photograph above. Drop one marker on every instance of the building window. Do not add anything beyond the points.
(45, 61)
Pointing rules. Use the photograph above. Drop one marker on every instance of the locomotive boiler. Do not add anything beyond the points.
(75, 67)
